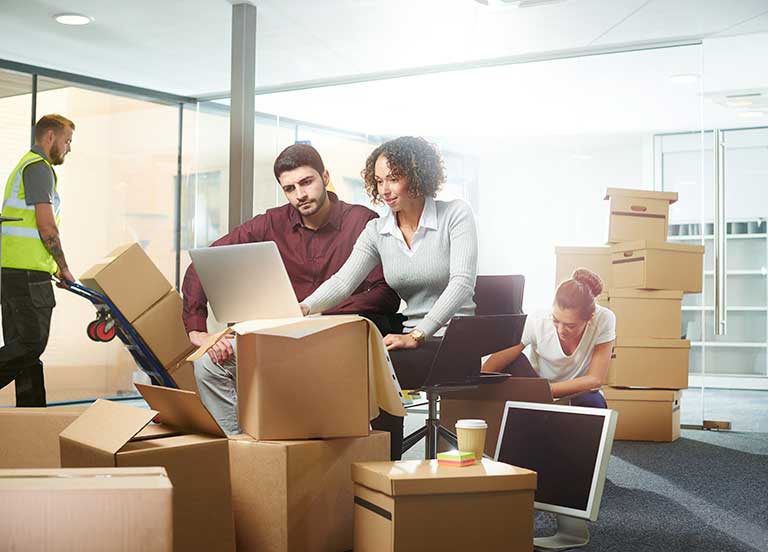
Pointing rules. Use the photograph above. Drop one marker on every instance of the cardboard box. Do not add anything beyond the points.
(649, 362)
(86, 510)
(420, 506)
(486, 402)
(30, 436)
(638, 214)
(596, 259)
(129, 278)
(286, 495)
(162, 330)
(109, 434)
(645, 414)
(296, 496)
(643, 313)
(305, 380)
(657, 265)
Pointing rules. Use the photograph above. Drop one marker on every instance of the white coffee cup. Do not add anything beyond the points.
(471, 436)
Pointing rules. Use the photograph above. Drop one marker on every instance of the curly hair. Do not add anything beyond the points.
(411, 157)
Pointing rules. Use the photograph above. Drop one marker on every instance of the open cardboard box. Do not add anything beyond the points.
(86, 510)
(288, 496)
(487, 506)
(638, 214)
(310, 378)
(110, 434)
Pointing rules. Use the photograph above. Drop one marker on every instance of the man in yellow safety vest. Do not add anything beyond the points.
(31, 253)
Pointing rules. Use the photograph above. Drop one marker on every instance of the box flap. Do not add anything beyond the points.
(295, 328)
(179, 408)
(106, 426)
(653, 342)
(627, 293)
(596, 250)
(210, 342)
(644, 194)
(422, 477)
(641, 394)
(664, 246)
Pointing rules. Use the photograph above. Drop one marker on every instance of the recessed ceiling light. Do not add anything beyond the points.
(73, 19)
(751, 114)
(581, 156)
(686, 78)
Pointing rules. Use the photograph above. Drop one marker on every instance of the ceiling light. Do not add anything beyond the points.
(685, 78)
(751, 114)
(73, 19)
(581, 156)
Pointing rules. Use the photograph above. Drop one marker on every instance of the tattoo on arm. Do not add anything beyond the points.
(53, 245)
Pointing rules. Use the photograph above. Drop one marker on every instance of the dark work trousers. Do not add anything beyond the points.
(521, 368)
(27, 304)
(412, 368)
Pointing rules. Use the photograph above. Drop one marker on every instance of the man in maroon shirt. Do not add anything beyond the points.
(315, 233)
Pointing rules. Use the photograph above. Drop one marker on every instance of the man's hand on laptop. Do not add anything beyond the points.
(221, 350)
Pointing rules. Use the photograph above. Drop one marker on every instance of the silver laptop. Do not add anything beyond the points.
(245, 282)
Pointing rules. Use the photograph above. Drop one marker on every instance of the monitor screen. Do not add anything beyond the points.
(566, 446)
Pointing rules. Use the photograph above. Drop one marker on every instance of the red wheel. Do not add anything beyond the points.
(91, 330)
(104, 331)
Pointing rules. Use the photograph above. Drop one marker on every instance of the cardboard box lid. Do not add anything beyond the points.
(295, 328)
(180, 409)
(106, 426)
(82, 479)
(427, 477)
(641, 394)
(664, 246)
(589, 250)
(652, 342)
(627, 293)
(642, 194)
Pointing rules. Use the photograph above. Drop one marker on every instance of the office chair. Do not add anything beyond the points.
(499, 305)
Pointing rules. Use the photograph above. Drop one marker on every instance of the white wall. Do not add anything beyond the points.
(535, 196)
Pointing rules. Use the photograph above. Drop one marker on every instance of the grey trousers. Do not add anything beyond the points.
(217, 386)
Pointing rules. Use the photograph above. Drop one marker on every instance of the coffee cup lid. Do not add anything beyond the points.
(471, 424)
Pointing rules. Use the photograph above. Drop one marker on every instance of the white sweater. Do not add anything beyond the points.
(436, 278)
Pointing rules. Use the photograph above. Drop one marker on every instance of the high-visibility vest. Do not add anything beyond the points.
(21, 246)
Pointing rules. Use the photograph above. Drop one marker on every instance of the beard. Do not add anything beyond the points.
(312, 207)
(57, 157)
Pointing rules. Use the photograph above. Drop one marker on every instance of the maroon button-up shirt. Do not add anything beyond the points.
(310, 257)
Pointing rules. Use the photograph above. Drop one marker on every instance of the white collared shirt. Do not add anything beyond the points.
(427, 222)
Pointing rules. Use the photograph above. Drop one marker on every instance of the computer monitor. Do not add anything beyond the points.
(569, 448)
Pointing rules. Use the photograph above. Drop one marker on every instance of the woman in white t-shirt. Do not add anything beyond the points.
(571, 343)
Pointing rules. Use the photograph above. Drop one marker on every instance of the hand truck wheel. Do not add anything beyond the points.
(105, 330)
(91, 330)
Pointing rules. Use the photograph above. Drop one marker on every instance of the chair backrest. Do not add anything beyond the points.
(499, 294)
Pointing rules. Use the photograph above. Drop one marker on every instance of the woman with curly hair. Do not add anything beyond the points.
(571, 343)
(428, 251)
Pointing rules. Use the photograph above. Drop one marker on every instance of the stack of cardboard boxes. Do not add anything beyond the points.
(304, 404)
(645, 277)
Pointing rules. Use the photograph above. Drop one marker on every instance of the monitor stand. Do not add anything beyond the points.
(571, 532)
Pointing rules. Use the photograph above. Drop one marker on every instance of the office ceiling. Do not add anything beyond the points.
(183, 46)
